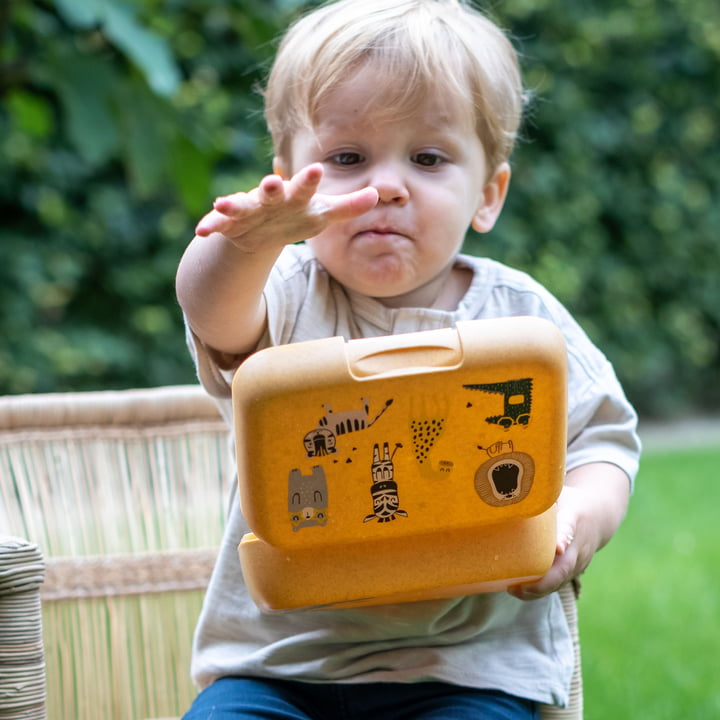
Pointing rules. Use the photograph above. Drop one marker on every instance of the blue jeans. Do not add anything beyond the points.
(238, 698)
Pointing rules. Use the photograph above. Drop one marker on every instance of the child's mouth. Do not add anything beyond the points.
(378, 240)
(381, 232)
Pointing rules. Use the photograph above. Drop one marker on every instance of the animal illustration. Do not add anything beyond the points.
(319, 441)
(350, 420)
(517, 401)
(322, 439)
(307, 498)
(384, 489)
(506, 477)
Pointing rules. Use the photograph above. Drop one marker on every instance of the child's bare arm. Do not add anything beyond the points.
(224, 269)
(591, 507)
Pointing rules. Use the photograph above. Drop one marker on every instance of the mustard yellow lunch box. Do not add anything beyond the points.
(401, 468)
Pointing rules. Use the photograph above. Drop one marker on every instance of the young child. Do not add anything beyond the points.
(392, 123)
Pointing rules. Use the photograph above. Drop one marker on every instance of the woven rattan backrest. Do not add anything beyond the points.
(125, 494)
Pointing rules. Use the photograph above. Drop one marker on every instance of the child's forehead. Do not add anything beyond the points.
(365, 99)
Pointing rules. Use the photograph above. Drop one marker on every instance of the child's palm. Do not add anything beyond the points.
(282, 211)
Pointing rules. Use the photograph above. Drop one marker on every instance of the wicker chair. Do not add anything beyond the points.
(124, 493)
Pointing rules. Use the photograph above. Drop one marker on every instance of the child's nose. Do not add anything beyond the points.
(388, 180)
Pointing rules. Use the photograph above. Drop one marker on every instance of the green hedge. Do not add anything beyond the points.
(614, 203)
(121, 119)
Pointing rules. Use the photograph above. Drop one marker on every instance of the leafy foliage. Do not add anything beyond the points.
(612, 200)
(121, 119)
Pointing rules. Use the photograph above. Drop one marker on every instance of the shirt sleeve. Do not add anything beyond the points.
(602, 424)
(602, 427)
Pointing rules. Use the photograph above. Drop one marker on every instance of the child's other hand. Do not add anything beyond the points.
(573, 550)
(591, 506)
(282, 212)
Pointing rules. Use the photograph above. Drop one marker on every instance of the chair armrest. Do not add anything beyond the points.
(574, 710)
(22, 661)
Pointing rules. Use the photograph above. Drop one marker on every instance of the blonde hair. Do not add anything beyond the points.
(415, 47)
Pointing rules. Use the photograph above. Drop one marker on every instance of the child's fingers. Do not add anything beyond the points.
(569, 511)
(561, 572)
(361, 201)
(226, 213)
(235, 205)
(565, 538)
(344, 207)
(271, 190)
(211, 223)
(292, 207)
(304, 184)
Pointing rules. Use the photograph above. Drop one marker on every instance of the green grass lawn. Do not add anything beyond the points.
(650, 609)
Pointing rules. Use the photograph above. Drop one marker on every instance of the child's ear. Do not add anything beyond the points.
(280, 168)
(492, 200)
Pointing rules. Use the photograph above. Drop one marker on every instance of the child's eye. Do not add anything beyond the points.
(346, 158)
(427, 159)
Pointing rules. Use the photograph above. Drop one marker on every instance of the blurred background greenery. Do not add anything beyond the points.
(120, 120)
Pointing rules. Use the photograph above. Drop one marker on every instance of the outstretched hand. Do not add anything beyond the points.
(282, 212)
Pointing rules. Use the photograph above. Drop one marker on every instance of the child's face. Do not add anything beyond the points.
(431, 176)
